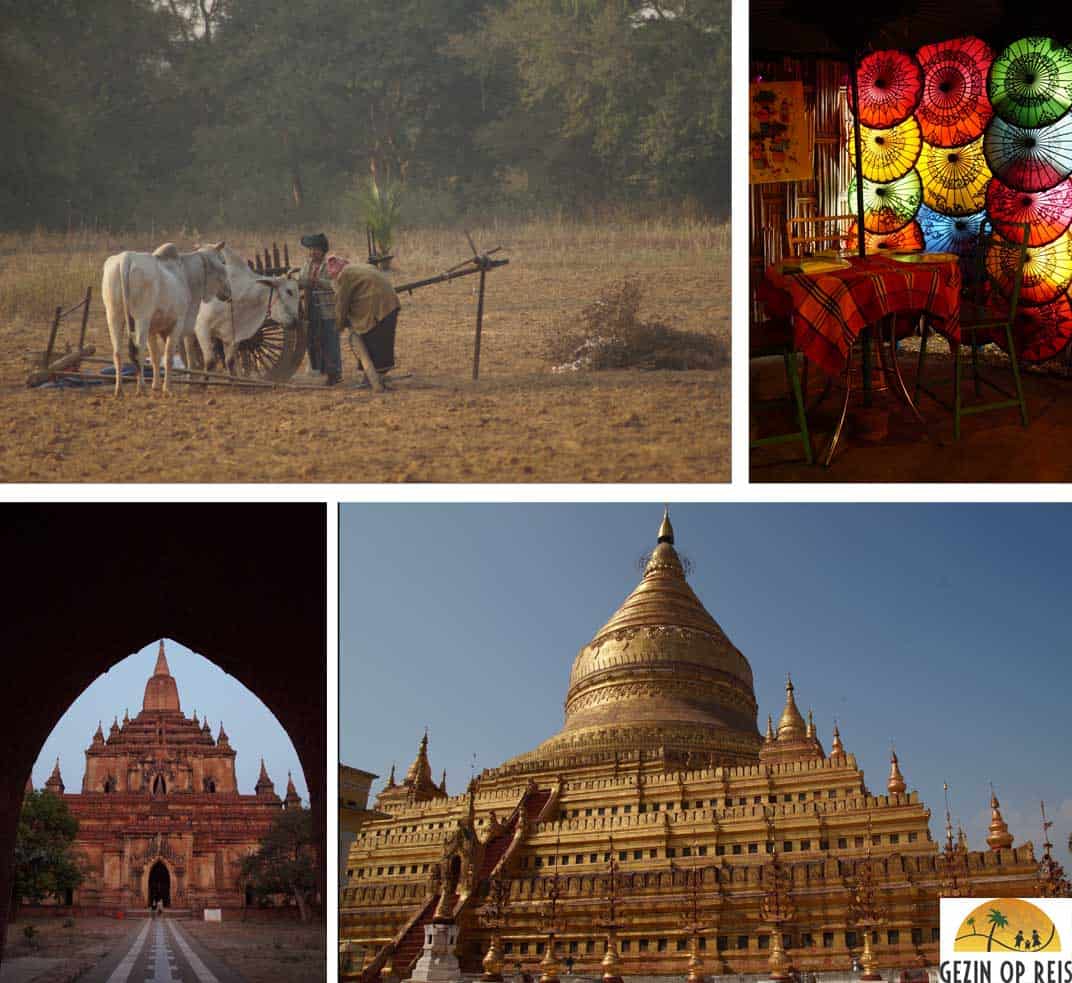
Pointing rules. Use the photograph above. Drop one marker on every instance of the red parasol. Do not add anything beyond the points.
(955, 107)
(908, 238)
(1048, 213)
(890, 84)
(1043, 332)
(1040, 332)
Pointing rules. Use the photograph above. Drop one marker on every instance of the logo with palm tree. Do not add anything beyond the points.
(1009, 925)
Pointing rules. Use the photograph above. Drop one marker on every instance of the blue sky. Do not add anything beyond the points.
(251, 727)
(945, 628)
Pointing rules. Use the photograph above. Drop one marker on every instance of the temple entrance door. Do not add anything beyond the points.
(159, 885)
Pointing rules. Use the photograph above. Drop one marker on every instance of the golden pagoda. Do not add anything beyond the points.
(659, 787)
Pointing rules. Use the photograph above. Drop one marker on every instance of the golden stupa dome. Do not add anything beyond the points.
(661, 674)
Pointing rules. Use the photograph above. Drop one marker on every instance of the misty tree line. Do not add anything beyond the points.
(257, 113)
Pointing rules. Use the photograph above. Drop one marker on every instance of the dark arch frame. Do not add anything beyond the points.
(244, 585)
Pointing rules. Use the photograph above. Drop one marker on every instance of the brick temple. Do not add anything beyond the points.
(160, 815)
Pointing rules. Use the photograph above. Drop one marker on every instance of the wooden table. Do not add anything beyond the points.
(831, 309)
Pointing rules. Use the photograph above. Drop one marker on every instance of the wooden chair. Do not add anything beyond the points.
(804, 232)
(773, 336)
(984, 309)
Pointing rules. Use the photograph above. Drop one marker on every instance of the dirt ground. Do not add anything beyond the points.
(266, 952)
(994, 446)
(58, 951)
(520, 422)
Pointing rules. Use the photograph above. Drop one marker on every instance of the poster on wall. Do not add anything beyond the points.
(778, 138)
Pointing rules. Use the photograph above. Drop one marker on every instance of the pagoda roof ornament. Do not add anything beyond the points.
(998, 837)
(666, 531)
(98, 737)
(264, 784)
(836, 747)
(770, 729)
(896, 783)
(222, 739)
(292, 799)
(791, 726)
(55, 780)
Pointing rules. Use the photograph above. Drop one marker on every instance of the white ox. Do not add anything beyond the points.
(154, 298)
(253, 298)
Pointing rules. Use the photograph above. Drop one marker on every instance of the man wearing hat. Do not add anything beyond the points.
(366, 302)
(324, 352)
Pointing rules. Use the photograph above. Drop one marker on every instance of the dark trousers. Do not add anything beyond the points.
(380, 342)
(325, 354)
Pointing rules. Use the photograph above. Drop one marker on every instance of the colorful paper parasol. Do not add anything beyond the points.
(890, 84)
(954, 178)
(954, 108)
(949, 233)
(1031, 82)
(1047, 270)
(1029, 159)
(889, 154)
(1048, 213)
(889, 206)
(910, 237)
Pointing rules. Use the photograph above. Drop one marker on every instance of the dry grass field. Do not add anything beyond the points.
(520, 422)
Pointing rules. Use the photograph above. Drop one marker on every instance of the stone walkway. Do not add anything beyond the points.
(159, 951)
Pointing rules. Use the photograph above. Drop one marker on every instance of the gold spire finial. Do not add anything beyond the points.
(896, 784)
(666, 531)
(770, 727)
(836, 747)
(999, 837)
(791, 726)
(811, 727)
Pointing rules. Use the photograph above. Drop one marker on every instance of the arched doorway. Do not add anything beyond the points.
(170, 590)
(159, 885)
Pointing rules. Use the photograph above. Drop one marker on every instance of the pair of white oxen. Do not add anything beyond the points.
(166, 300)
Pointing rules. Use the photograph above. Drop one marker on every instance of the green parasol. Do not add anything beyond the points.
(1030, 82)
(891, 205)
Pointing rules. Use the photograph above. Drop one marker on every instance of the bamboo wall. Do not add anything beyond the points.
(827, 114)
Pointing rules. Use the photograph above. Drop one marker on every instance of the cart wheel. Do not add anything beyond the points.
(274, 352)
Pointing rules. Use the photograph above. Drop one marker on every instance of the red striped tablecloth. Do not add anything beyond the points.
(829, 310)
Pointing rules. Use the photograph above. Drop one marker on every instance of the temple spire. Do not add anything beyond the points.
(161, 691)
(810, 734)
(999, 837)
(770, 729)
(391, 778)
(666, 531)
(836, 747)
(264, 786)
(161, 662)
(791, 726)
(293, 800)
(896, 784)
(55, 780)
